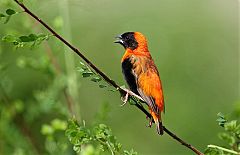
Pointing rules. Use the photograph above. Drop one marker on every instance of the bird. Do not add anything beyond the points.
(141, 74)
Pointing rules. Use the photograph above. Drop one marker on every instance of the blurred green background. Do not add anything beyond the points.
(195, 46)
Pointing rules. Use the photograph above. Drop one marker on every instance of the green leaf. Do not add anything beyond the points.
(29, 38)
(9, 38)
(25, 39)
(221, 119)
(59, 124)
(220, 115)
(81, 69)
(102, 86)
(221, 122)
(89, 150)
(213, 151)
(41, 38)
(32, 37)
(2, 16)
(131, 152)
(228, 138)
(47, 130)
(41, 35)
(10, 12)
(87, 74)
(96, 79)
(77, 148)
(82, 63)
(231, 126)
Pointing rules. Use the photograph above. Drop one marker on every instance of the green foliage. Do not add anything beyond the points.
(10, 12)
(221, 119)
(96, 139)
(8, 15)
(26, 118)
(21, 41)
(87, 72)
(54, 143)
(19, 115)
(55, 125)
(14, 139)
(214, 151)
(231, 136)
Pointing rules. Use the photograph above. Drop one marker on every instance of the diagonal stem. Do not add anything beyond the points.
(104, 76)
(223, 149)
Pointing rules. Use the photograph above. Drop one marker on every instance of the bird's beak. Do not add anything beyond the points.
(119, 39)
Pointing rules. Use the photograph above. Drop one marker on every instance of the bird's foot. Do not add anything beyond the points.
(150, 122)
(125, 98)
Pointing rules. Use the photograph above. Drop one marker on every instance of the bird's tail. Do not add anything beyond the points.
(159, 127)
(158, 121)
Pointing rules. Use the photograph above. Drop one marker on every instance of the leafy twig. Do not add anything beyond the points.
(8, 15)
(103, 75)
(109, 147)
(223, 149)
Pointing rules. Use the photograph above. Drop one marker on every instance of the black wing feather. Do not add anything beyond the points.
(130, 78)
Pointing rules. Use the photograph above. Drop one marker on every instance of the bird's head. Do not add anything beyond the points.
(133, 41)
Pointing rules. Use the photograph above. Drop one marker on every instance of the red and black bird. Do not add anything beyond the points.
(141, 74)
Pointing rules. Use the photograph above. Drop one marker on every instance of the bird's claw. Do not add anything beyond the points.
(124, 98)
(147, 117)
(150, 122)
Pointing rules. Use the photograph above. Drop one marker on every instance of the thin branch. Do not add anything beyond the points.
(104, 76)
(182, 142)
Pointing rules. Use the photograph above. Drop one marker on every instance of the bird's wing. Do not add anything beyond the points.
(149, 85)
(130, 77)
(143, 79)
(150, 101)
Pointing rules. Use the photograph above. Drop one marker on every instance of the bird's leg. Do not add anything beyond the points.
(150, 122)
(125, 98)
